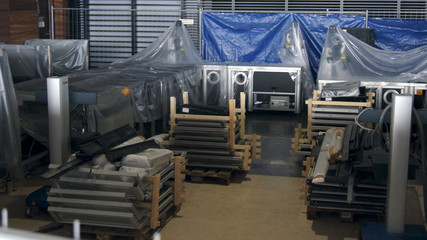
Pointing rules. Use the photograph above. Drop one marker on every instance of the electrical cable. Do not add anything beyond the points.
(423, 158)
(356, 119)
(380, 126)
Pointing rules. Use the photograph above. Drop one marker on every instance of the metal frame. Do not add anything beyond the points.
(406, 87)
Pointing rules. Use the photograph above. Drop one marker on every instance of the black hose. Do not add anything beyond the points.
(380, 126)
(423, 158)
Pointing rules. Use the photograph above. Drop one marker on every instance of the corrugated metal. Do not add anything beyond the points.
(153, 18)
(118, 28)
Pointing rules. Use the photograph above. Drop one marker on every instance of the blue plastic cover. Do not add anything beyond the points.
(255, 37)
(397, 34)
(243, 37)
(314, 29)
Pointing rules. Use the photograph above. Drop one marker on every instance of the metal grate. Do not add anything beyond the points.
(119, 28)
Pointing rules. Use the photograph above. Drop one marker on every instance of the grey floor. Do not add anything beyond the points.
(277, 130)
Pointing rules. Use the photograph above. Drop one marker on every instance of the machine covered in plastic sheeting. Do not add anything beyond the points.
(346, 58)
(293, 53)
(173, 47)
(341, 89)
(67, 55)
(134, 91)
(10, 151)
(28, 62)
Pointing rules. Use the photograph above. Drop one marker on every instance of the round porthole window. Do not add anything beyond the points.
(213, 77)
(388, 93)
(240, 78)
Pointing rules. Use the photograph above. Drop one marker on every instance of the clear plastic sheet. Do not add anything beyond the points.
(293, 53)
(28, 62)
(346, 58)
(174, 46)
(341, 89)
(67, 55)
(137, 90)
(10, 151)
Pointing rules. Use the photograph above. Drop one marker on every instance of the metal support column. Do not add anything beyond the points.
(59, 121)
(401, 114)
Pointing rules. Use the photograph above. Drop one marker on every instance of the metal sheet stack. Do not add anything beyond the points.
(121, 199)
(217, 141)
(347, 180)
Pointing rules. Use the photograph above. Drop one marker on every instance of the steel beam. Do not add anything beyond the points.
(401, 114)
(59, 121)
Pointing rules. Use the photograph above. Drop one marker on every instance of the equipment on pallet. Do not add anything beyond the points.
(360, 171)
(133, 197)
(325, 113)
(217, 141)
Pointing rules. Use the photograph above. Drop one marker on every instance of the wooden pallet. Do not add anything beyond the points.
(344, 216)
(304, 139)
(94, 232)
(308, 164)
(199, 174)
(250, 146)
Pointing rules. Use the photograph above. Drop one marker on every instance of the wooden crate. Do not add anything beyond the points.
(304, 139)
(250, 146)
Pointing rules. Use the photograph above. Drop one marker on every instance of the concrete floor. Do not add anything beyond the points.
(264, 204)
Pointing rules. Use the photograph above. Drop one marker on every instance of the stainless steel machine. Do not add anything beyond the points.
(215, 84)
(267, 86)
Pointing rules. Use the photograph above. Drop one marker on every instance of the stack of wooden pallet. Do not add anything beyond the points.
(215, 144)
(118, 203)
(324, 114)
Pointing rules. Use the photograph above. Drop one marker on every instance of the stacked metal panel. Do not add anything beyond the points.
(354, 182)
(120, 199)
(347, 196)
(207, 143)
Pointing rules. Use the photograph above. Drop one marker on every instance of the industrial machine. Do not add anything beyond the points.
(359, 169)
(268, 86)
(215, 84)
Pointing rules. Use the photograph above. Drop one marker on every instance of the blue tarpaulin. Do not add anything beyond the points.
(255, 37)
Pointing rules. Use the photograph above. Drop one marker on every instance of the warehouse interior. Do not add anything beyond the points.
(213, 119)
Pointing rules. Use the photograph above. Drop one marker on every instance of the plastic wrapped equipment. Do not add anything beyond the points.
(10, 151)
(28, 62)
(137, 90)
(346, 58)
(293, 53)
(341, 89)
(67, 55)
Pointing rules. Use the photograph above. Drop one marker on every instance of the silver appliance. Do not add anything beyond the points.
(215, 84)
(384, 90)
(261, 82)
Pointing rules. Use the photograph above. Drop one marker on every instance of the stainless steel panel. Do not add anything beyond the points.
(97, 217)
(59, 121)
(401, 115)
